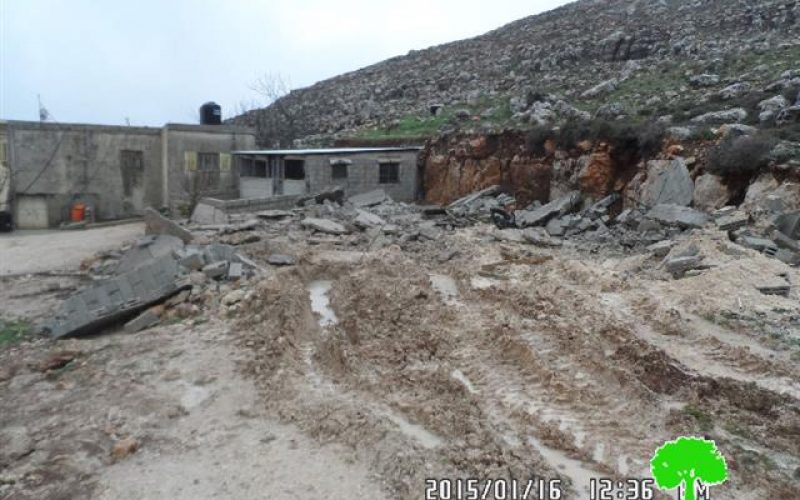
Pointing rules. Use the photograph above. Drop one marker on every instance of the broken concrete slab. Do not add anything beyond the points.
(557, 227)
(733, 221)
(273, 214)
(370, 198)
(508, 235)
(249, 225)
(324, 226)
(661, 248)
(782, 241)
(143, 321)
(678, 215)
(789, 224)
(216, 269)
(155, 223)
(678, 266)
(466, 200)
(281, 260)
(668, 182)
(235, 271)
(539, 236)
(366, 219)
(191, 258)
(541, 215)
(777, 289)
(216, 252)
(757, 244)
(146, 249)
(117, 299)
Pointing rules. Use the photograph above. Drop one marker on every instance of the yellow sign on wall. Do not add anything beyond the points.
(224, 162)
(190, 161)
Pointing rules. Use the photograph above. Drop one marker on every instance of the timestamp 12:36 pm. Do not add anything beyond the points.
(535, 489)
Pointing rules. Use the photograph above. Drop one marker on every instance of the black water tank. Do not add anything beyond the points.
(210, 114)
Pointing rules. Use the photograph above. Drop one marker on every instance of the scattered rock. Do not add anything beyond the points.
(540, 216)
(216, 269)
(370, 198)
(58, 360)
(233, 297)
(281, 260)
(324, 226)
(124, 448)
(735, 115)
(366, 219)
(676, 215)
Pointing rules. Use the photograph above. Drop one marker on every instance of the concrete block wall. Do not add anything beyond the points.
(363, 173)
(58, 164)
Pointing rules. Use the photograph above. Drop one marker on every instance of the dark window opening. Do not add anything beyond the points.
(260, 169)
(132, 167)
(339, 171)
(294, 169)
(389, 173)
(246, 168)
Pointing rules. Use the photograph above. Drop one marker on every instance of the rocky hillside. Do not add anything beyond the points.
(672, 60)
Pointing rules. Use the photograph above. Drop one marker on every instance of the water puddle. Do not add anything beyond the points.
(573, 469)
(459, 375)
(446, 287)
(414, 431)
(321, 303)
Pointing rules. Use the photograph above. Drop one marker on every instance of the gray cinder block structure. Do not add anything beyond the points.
(270, 173)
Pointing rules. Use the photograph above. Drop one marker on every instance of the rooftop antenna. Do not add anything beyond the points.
(44, 115)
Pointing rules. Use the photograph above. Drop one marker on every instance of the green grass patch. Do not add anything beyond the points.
(414, 126)
(13, 331)
(703, 420)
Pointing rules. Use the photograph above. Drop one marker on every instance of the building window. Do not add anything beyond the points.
(246, 168)
(260, 169)
(294, 169)
(208, 170)
(389, 173)
(339, 170)
(132, 169)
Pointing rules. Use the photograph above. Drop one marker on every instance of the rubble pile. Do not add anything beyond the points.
(176, 264)
(156, 277)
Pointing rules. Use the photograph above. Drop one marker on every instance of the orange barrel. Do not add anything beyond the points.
(78, 212)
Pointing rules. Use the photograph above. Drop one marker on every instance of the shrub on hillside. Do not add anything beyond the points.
(744, 155)
(536, 138)
(642, 139)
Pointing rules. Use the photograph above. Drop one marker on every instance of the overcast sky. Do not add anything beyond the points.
(157, 61)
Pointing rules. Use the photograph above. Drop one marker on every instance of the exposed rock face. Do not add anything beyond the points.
(585, 49)
(598, 176)
(710, 193)
(668, 182)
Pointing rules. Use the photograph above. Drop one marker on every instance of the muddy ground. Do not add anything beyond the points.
(359, 374)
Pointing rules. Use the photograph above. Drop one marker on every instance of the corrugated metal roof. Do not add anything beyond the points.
(330, 151)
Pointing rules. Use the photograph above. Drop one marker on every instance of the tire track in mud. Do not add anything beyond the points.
(712, 355)
(637, 364)
(513, 381)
